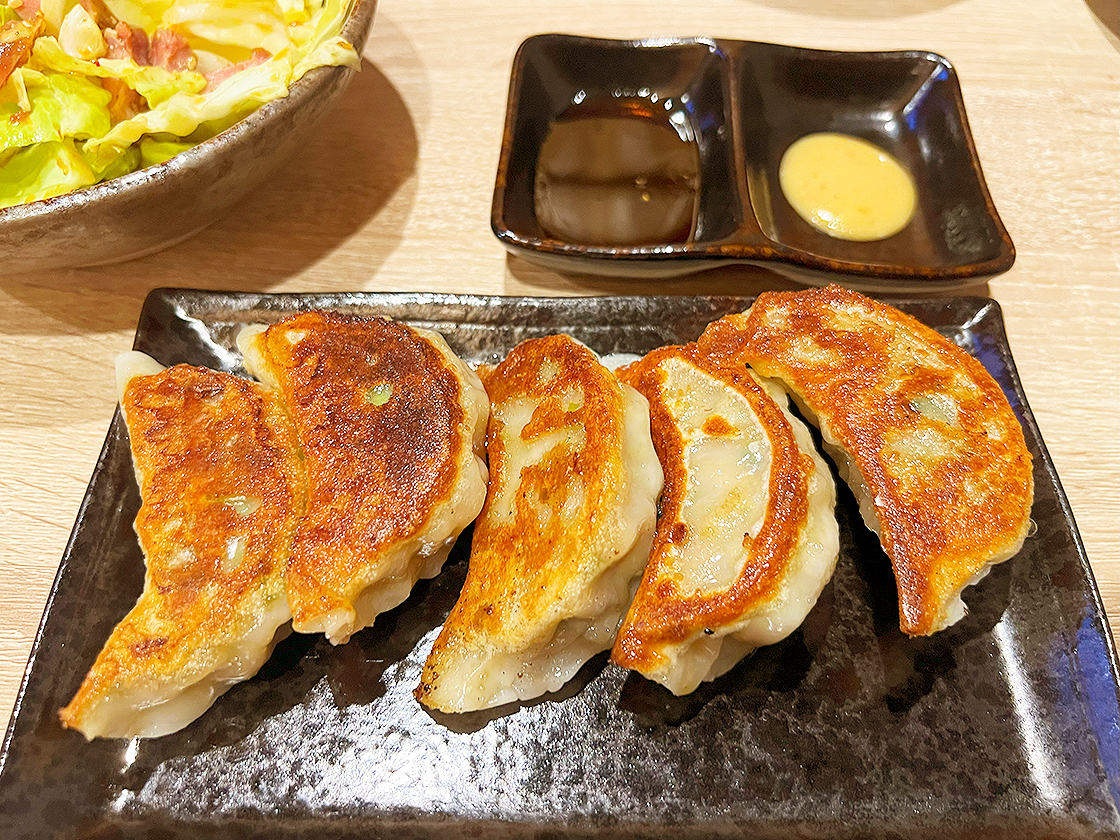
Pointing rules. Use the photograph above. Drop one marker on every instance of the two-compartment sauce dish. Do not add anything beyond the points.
(662, 157)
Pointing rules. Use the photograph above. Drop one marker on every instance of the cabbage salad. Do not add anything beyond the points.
(95, 89)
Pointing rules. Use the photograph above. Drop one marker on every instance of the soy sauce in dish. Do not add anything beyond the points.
(621, 172)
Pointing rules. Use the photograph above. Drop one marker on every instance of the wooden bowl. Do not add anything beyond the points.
(154, 208)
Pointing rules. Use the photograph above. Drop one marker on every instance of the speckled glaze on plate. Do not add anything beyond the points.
(746, 102)
(1004, 726)
(153, 208)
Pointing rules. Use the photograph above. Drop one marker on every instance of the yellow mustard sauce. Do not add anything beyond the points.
(847, 187)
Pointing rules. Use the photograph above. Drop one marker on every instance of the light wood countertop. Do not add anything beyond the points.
(394, 194)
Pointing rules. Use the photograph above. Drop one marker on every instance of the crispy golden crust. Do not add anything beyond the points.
(661, 613)
(377, 412)
(524, 568)
(934, 439)
(221, 488)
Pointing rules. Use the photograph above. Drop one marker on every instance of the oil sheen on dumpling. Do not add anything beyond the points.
(221, 485)
(392, 427)
(563, 537)
(922, 432)
(747, 535)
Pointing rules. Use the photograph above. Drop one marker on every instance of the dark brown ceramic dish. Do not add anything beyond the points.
(746, 102)
(1003, 727)
(156, 207)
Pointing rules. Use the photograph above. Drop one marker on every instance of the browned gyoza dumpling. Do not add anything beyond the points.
(924, 435)
(221, 485)
(746, 536)
(391, 424)
(564, 534)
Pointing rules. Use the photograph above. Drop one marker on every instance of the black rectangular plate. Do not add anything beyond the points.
(1003, 726)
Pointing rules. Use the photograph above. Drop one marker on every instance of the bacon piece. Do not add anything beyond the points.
(126, 42)
(26, 9)
(170, 49)
(259, 56)
(125, 103)
(100, 13)
(16, 40)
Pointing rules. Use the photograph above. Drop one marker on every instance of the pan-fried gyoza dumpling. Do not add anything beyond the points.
(923, 434)
(564, 534)
(746, 537)
(222, 489)
(392, 427)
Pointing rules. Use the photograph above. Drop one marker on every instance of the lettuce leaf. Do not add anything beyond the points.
(146, 14)
(43, 170)
(231, 23)
(61, 106)
(155, 150)
(183, 113)
(155, 84)
(128, 161)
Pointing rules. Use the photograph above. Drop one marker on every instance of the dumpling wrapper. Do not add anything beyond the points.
(919, 429)
(747, 537)
(221, 486)
(392, 426)
(564, 534)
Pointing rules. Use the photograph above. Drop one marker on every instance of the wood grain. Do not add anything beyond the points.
(394, 194)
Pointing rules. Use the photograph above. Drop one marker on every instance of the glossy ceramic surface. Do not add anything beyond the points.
(156, 207)
(1003, 726)
(746, 102)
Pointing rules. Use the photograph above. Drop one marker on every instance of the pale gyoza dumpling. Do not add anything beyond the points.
(221, 485)
(920, 430)
(564, 534)
(391, 425)
(747, 535)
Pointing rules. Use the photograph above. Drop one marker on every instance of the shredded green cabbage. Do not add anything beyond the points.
(57, 129)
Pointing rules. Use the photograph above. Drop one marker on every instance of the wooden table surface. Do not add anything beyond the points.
(394, 194)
